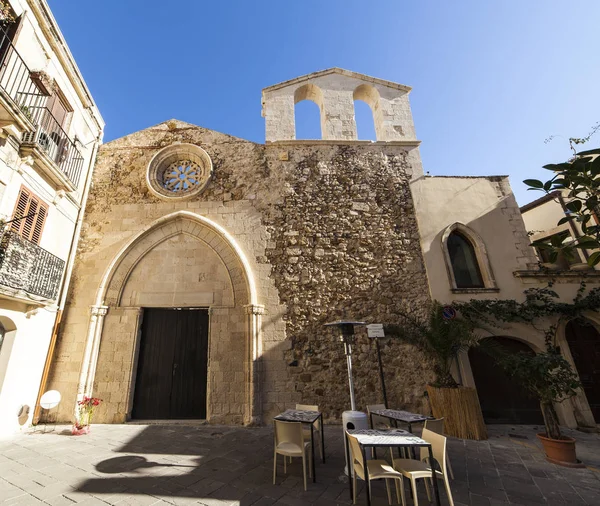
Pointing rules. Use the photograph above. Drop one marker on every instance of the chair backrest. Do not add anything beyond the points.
(377, 420)
(307, 407)
(289, 432)
(438, 447)
(436, 425)
(356, 454)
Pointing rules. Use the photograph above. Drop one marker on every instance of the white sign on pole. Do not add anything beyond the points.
(375, 330)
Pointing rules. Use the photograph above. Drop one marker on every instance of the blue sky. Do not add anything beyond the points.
(491, 79)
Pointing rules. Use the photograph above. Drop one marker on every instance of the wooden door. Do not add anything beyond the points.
(172, 365)
(584, 343)
(502, 398)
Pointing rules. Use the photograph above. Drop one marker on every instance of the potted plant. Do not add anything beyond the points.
(549, 377)
(85, 410)
(441, 340)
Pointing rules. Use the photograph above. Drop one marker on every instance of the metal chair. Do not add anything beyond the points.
(289, 442)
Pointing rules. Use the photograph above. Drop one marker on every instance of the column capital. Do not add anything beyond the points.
(98, 310)
(257, 309)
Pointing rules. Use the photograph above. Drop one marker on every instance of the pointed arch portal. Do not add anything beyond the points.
(182, 260)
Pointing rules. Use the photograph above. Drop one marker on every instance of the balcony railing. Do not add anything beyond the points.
(24, 266)
(15, 78)
(54, 141)
(17, 84)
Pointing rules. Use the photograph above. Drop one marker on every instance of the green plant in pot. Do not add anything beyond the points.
(550, 378)
(547, 376)
(441, 340)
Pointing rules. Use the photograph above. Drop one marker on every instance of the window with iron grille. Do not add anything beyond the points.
(29, 216)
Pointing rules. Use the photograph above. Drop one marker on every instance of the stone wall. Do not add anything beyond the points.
(344, 244)
(328, 231)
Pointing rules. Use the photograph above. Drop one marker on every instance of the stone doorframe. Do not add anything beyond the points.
(119, 269)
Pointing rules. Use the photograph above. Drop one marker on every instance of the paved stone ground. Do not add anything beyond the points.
(213, 465)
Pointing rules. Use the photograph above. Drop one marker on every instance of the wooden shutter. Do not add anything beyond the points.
(20, 210)
(36, 211)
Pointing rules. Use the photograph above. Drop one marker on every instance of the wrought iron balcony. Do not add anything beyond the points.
(25, 99)
(25, 267)
(19, 91)
(50, 137)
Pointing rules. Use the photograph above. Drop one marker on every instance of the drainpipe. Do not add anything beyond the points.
(62, 294)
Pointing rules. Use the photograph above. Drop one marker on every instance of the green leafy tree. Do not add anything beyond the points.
(578, 182)
(439, 339)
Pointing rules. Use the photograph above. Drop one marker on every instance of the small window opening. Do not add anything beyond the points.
(464, 262)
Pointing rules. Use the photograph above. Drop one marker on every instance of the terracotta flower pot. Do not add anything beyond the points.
(560, 451)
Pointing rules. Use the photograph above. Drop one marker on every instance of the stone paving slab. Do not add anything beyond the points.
(151, 465)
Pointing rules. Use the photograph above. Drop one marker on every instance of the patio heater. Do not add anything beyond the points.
(350, 419)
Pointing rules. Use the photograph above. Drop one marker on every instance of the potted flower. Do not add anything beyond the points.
(550, 378)
(547, 376)
(85, 410)
(441, 340)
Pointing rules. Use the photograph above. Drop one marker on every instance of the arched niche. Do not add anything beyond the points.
(312, 93)
(479, 251)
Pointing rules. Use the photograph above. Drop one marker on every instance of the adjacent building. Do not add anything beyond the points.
(50, 129)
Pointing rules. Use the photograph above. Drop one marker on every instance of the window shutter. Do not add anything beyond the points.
(36, 211)
(20, 210)
(36, 233)
(28, 222)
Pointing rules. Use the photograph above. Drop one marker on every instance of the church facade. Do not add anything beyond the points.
(208, 265)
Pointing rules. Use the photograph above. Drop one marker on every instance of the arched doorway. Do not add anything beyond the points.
(185, 277)
(584, 344)
(502, 398)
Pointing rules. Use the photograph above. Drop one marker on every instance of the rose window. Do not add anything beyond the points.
(182, 176)
(179, 171)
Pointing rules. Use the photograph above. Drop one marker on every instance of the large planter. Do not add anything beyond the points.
(560, 451)
(461, 411)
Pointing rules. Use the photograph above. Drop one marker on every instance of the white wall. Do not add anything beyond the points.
(22, 357)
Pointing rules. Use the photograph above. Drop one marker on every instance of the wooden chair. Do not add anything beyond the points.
(378, 470)
(437, 426)
(317, 426)
(421, 469)
(289, 442)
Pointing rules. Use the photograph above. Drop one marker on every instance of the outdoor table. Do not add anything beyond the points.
(399, 416)
(397, 438)
(310, 417)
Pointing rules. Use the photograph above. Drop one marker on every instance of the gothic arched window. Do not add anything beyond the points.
(463, 260)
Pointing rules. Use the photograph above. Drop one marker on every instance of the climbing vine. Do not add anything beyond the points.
(548, 375)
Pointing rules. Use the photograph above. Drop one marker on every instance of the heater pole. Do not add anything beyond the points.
(348, 350)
